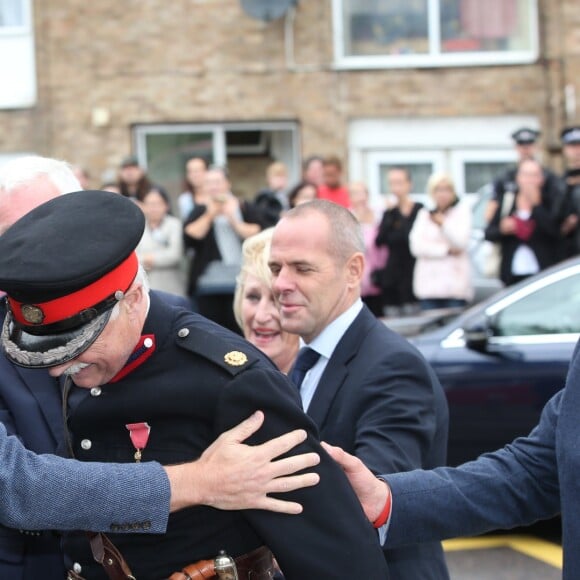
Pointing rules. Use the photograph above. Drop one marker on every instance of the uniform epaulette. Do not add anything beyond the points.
(219, 350)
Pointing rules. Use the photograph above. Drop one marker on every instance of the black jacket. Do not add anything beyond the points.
(188, 393)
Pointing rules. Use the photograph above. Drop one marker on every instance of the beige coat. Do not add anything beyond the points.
(166, 245)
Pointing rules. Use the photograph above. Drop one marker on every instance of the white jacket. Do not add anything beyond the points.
(439, 274)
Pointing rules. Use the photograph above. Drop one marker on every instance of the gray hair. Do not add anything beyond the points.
(23, 170)
(141, 278)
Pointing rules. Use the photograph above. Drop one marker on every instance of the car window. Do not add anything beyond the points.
(553, 309)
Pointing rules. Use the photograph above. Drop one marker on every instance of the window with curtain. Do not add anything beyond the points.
(402, 33)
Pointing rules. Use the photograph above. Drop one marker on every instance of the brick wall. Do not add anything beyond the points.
(151, 61)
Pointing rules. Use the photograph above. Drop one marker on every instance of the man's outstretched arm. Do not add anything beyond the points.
(49, 492)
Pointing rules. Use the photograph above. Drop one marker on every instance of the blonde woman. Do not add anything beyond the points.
(439, 240)
(256, 310)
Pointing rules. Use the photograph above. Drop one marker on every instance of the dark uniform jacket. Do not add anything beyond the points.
(193, 387)
(570, 205)
(551, 188)
(543, 241)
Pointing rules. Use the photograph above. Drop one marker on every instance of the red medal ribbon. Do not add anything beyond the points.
(139, 433)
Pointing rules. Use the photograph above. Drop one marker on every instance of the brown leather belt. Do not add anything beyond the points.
(255, 565)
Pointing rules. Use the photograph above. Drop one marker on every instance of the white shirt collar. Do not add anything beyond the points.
(326, 341)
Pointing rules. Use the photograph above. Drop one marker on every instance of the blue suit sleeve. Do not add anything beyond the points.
(514, 486)
(49, 492)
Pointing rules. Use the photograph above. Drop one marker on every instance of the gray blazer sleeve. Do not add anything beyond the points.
(49, 492)
(513, 486)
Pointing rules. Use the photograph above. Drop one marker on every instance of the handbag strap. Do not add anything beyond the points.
(506, 203)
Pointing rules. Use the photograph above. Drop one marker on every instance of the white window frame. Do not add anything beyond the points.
(435, 58)
(218, 131)
(458, 159)
(378, 158)
(18, 63)
(26, 24)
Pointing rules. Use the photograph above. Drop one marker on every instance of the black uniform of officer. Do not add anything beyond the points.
(187, 381)
(551, 189)
(570, 206)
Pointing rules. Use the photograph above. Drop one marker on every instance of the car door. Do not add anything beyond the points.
(498, 383)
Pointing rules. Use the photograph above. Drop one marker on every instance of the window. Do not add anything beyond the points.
(11, 14)
(552, 309)
(474, 168)
(473, 150)
(409, 33)
(246, 149)
(420, 165)
(17, 61)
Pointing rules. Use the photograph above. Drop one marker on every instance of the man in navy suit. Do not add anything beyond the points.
(370, 391)
(533, 478)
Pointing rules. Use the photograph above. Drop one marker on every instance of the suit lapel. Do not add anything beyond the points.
(337, 370)
(46, 391)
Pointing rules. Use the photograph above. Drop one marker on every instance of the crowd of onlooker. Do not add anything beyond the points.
(417, 255)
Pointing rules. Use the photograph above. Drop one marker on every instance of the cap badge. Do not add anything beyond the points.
(32, 314)
(235, 358)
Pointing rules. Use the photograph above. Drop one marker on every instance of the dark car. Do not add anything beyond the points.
(502, 359)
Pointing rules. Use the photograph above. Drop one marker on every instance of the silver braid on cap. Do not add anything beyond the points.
(51, 357)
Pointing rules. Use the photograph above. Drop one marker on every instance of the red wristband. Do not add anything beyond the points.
(384, 515)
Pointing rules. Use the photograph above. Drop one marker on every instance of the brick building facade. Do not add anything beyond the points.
(167, 79)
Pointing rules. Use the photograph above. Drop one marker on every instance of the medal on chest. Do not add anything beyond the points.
(139, 433)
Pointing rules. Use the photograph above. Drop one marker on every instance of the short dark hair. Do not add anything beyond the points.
(405, 170)
(308, 161)
(333, 160)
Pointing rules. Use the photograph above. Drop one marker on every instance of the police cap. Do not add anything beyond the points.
(570, 135)
(525, 136)
(63, 266)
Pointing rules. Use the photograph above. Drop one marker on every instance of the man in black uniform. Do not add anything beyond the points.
(147, 381)
(569, 211)
(525, 144)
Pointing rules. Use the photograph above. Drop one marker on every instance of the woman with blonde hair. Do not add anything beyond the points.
(255, 308)
(439, 240)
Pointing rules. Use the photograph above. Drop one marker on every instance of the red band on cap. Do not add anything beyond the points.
(120, 278)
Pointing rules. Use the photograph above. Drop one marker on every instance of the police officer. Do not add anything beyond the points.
(147, 381)
(570, 206)
(525, 143)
